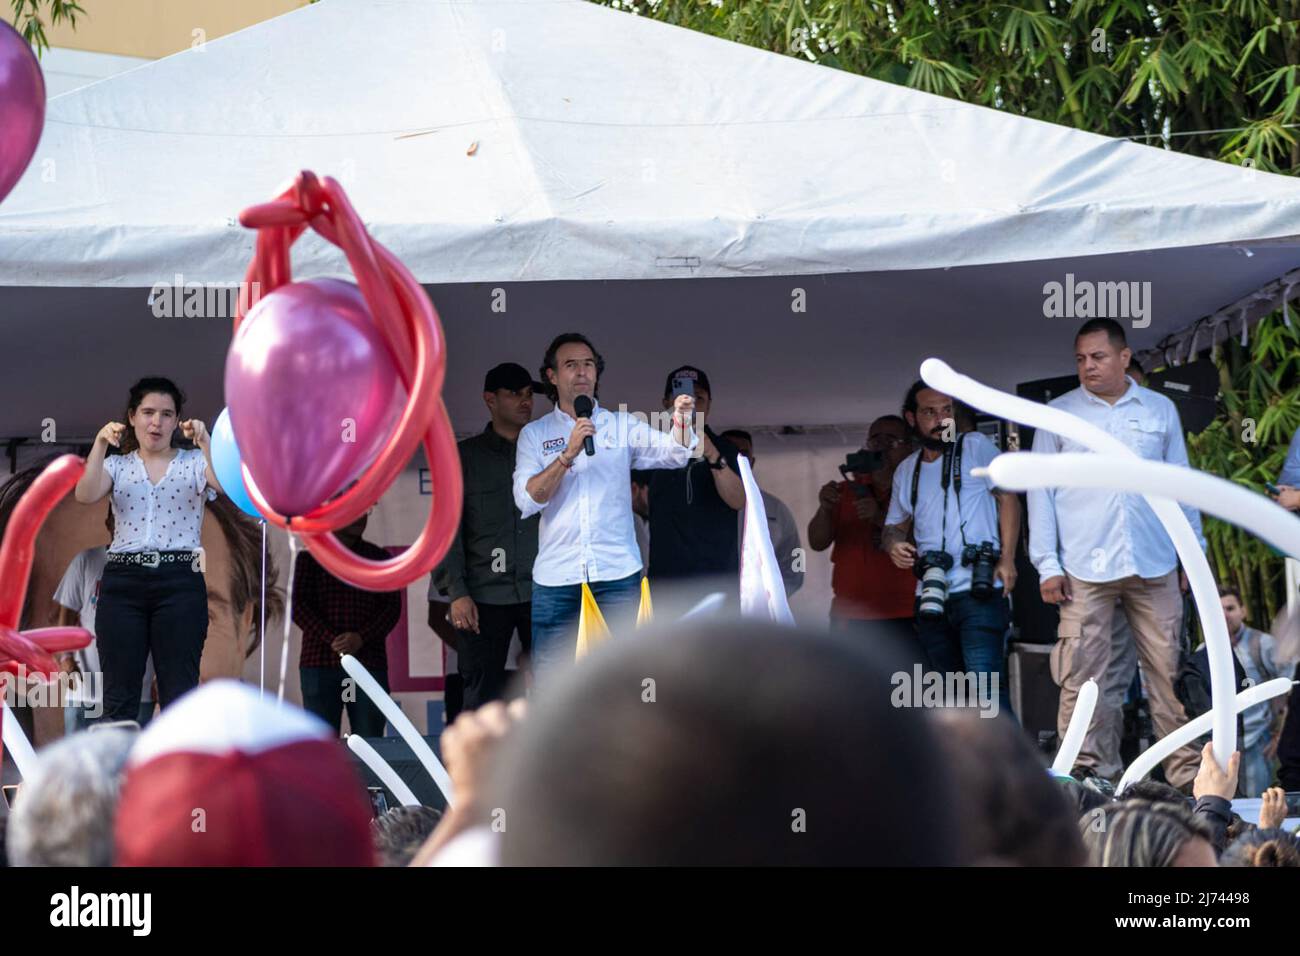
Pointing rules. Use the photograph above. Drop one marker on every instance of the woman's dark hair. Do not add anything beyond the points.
(1263, 848)
(567, 338)
(146, 386)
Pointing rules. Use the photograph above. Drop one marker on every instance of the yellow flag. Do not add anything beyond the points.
(592, 628)
(646, 612)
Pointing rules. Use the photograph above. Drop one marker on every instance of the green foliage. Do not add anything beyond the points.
(1164, 72)
(29, 20)
(1247, 444)
(1214, 78)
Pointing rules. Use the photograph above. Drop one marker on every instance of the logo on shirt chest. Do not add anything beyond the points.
(552, 446)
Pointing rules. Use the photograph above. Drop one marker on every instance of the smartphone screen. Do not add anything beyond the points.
(378, 801)
(11, 794)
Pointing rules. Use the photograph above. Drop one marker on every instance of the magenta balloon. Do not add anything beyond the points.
(22, 106)
(312, 391)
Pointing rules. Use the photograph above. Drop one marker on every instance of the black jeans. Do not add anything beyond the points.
(481, 657)
(161, 611)
(322, 695)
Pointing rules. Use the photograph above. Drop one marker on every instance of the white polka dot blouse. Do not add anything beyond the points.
(167, 516)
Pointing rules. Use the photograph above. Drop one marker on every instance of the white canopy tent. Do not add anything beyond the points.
(668, 193)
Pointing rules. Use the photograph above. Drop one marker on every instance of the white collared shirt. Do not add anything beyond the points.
(586, 531)
(1098, 535)
(167, 516)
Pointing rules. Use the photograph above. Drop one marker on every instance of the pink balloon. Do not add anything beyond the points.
(22, 106)
(312, 390)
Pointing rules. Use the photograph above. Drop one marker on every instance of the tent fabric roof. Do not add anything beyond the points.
(538, 145)
(608, 146)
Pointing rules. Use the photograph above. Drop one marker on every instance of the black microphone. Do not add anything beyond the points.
(582, 406)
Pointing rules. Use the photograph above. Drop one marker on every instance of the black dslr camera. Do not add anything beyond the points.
(861, 463)
(982, 559)
(932, 568)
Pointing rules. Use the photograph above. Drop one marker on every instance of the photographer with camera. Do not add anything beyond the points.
(959, 522)
(869, 592)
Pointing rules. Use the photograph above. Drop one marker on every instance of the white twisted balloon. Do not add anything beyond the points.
(383, 770)
(401, 723)
(1080, 718)
(942, 378)
(1262, 517)
(1189, 731)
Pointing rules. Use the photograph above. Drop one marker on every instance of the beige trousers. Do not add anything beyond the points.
(1154, 609)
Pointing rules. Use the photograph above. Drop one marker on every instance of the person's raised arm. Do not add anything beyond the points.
(726, 479)
(821, 529)
(196, 431)
(95, 482)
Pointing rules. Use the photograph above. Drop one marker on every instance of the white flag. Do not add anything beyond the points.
(762, 593)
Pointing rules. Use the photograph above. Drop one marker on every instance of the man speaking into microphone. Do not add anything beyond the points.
(574, 466)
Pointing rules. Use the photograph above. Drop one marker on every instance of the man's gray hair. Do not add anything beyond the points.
(63, 815)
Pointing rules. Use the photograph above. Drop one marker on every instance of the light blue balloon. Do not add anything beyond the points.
(226, 463)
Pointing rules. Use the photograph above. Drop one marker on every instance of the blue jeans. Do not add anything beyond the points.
(1256, 769)
(971, 636)
(323, 695)
(555, 617)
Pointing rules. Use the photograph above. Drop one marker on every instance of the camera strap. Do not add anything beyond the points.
(951, 474)
(961, 522)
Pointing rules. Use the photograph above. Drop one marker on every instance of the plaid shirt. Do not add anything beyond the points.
(325, 607)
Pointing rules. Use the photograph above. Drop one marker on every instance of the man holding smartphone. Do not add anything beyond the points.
(694, 534)
(574, 467)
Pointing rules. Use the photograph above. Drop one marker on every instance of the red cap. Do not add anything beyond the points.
(224, 778)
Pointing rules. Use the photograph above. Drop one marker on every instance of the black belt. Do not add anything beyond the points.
(152, 559)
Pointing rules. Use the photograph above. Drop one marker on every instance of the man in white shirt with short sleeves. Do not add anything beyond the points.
(965, 532)
(1094, 546)
(585, 498)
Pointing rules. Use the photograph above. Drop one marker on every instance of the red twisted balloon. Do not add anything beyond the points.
(413, 334)
(31, 652)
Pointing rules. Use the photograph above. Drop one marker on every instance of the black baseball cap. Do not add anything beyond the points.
(687, 371)
(511, 376)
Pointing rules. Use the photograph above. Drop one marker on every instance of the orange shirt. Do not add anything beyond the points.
(866, 583)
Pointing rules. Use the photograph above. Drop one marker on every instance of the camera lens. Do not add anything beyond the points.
(934, 592)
